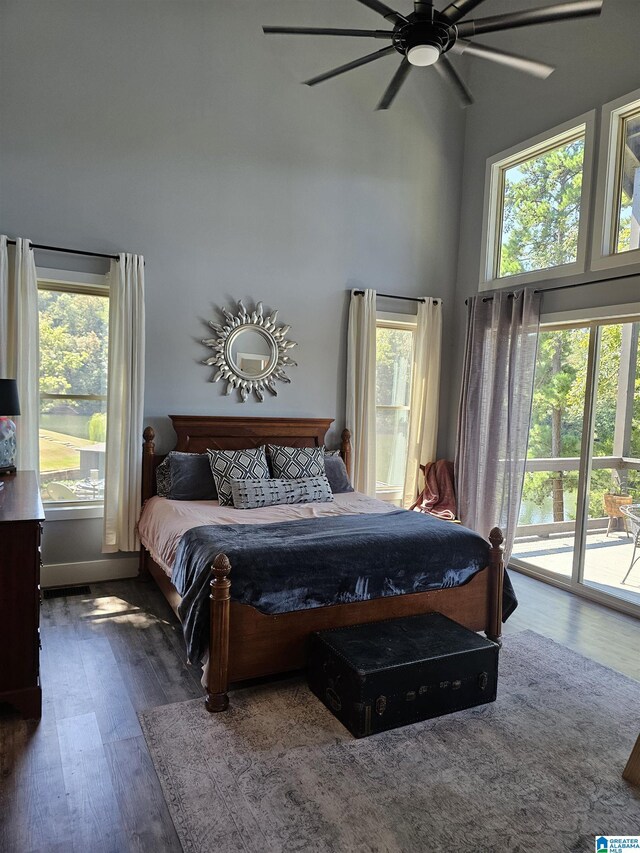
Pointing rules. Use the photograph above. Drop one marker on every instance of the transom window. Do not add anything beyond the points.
(73, 326)
(541, 203)
(537, 207)
(627, 198)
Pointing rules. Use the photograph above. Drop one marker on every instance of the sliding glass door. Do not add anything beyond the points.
(577, 516)
(546, 535)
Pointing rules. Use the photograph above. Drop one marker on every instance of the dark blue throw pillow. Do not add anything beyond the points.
(336, 474)
(188, 477)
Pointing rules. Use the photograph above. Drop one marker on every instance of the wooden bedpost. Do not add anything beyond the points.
(148, 452)
(496, 582)
(218, 678)
(345, 450)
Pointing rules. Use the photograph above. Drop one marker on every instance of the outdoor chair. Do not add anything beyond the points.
(60, 492)
(632, 513)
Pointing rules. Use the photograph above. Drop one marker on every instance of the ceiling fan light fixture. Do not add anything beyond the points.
(423, 54)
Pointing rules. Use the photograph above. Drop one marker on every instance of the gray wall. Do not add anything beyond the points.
(597, 60)
(178, 130)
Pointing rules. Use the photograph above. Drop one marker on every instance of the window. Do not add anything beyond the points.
(627, 200)
(541, 210)
(394, 365)
(73, 325)
(617, 225)
(537, 195)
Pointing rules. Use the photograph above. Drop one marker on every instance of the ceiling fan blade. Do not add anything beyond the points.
(370, 57)
(394, 86)
(544, 15)
(324, 31)
(383, 10)
(503, 57)
(446, 70)
(458, 9)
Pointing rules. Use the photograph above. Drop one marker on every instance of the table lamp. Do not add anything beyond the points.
(9, 406)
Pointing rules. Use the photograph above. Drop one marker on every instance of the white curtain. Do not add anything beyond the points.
(19, 344)
(425, 394)
(361, 390)
(4, 309)
(495, 410)
(125, 404)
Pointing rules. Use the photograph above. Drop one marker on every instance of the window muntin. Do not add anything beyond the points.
(394, 366)
(73, 327)
(627, 195)
(540, 201)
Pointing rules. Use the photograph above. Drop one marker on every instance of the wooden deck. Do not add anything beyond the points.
(606, 562)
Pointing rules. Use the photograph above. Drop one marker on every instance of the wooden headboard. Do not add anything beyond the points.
(197, 433)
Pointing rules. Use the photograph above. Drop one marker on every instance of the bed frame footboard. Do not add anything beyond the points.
(477, 604)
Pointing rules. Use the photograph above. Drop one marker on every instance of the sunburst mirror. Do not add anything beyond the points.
(250, 352)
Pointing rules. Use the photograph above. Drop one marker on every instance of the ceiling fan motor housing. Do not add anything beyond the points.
(422, 39)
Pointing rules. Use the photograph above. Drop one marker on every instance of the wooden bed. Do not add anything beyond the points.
(245, 643)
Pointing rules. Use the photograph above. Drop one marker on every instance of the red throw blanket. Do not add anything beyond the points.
(439, 494)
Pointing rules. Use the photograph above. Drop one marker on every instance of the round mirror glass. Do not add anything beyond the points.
(251, 352)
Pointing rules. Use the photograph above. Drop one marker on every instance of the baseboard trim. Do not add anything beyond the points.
(63, 574)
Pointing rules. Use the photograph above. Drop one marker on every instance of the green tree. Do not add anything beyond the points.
(73, 345)
(542, 210)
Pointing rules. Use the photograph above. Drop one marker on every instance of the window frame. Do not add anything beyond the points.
(90, 284)
(494, 198)
(603, 255)
(593, 319)
(407, 323)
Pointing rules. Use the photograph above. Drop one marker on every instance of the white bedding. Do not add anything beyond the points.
(164, 522)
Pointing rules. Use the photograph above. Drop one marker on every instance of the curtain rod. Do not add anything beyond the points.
(544, 290)
(68, 251)
(404, 298)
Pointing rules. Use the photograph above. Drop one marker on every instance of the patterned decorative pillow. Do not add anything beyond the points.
(336, 473)
(249, 494)
(295, 463)
(227, 465)
(163, 478)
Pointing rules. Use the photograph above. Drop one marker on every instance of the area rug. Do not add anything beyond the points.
(539, 769)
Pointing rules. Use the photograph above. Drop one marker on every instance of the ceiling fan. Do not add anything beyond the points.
(425, 36)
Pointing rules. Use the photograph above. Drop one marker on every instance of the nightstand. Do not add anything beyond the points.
(21, 517)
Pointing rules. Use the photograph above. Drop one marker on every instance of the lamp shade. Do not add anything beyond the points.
(9, 403)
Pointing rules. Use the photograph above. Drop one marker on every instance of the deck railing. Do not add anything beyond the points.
(561, 464)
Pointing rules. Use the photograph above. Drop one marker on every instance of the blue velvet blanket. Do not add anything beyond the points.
(296, 565)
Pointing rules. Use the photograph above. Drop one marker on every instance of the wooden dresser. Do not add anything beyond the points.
(21, 517)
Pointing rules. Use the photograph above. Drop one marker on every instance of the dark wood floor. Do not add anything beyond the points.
(82, 780)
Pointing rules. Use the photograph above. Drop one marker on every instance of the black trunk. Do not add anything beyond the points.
(382, 675)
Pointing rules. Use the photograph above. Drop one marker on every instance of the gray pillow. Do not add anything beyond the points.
(336, 473)
(249, 494)
(228, 465)
(186, 477)
(295, 463)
